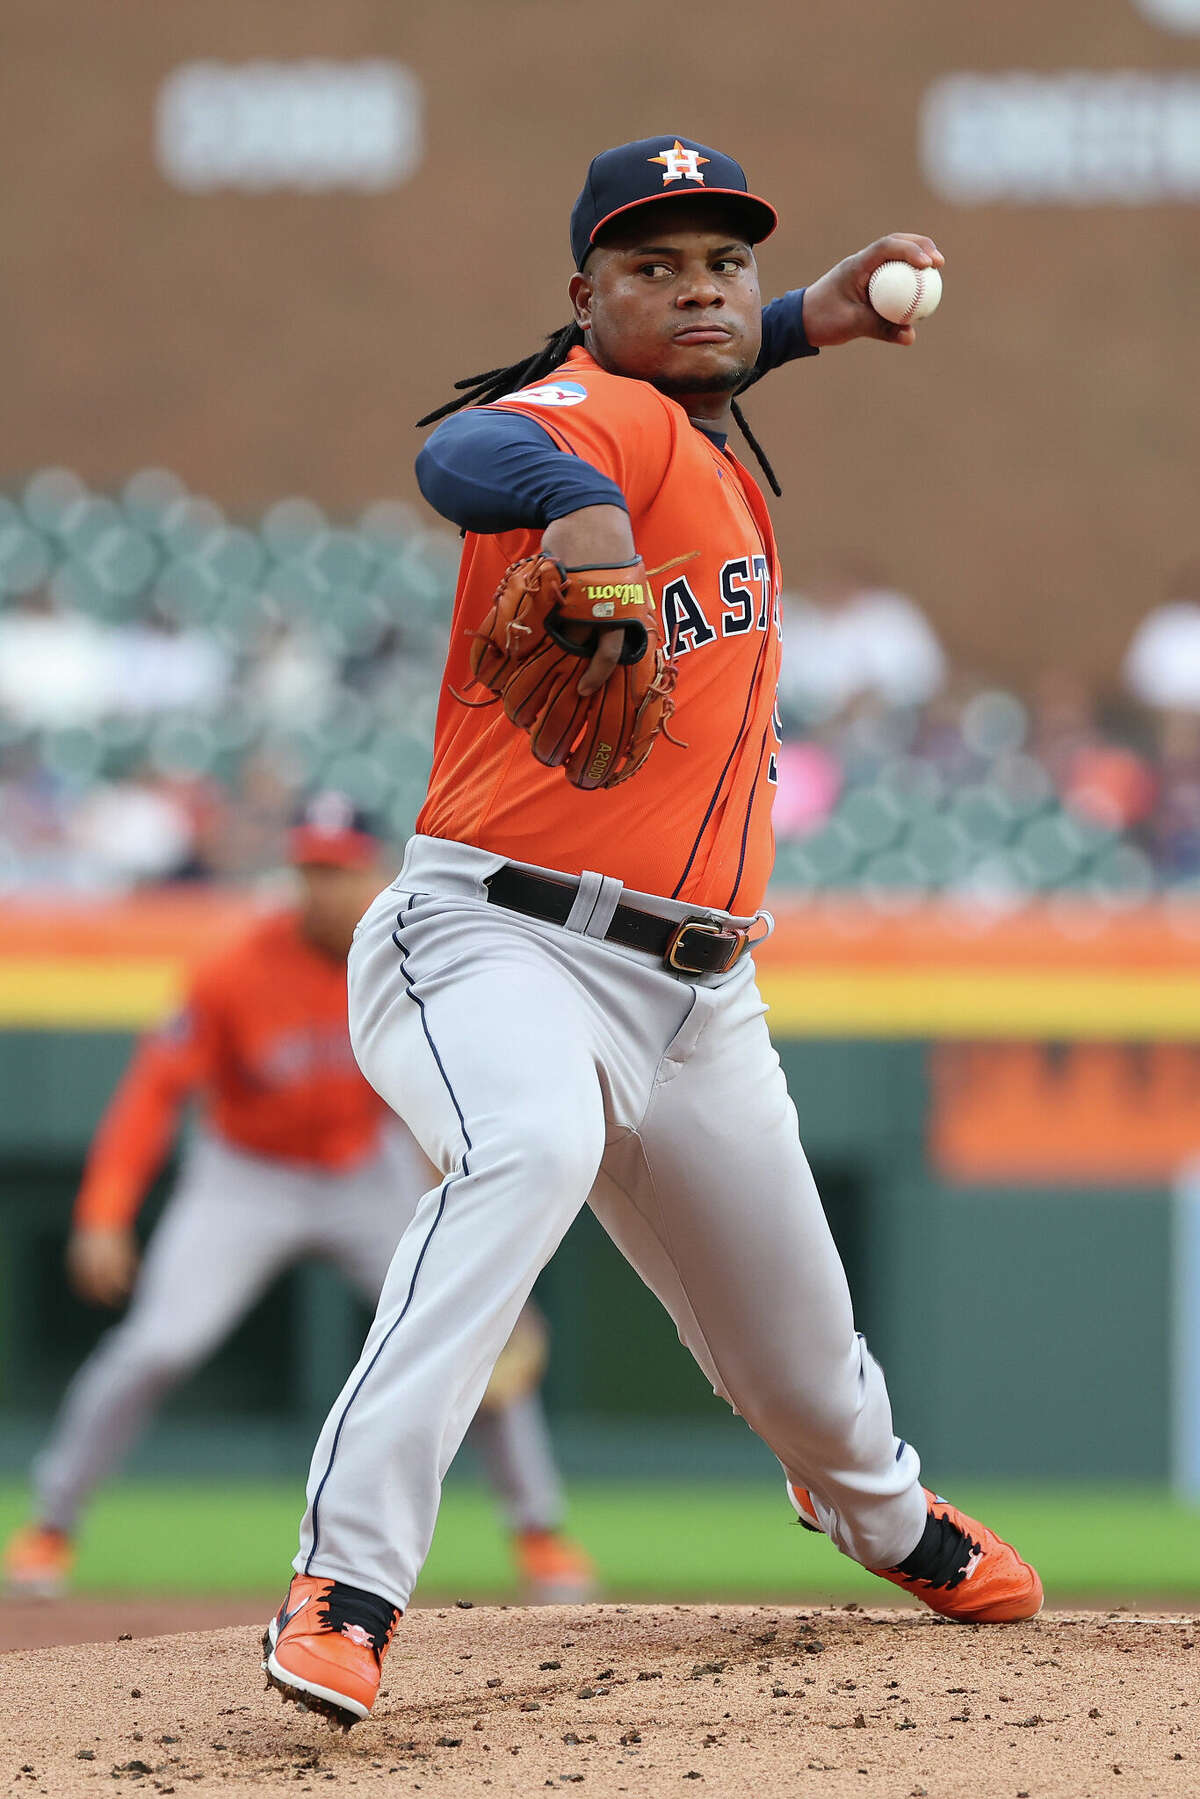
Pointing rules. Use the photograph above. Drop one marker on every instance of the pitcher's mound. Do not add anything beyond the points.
(751, 1700)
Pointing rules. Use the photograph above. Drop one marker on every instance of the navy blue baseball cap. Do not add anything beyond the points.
(661, 168)
(330, 830)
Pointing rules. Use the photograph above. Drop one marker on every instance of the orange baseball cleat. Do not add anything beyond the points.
(960, 1569)
(554, 1570)
(324, 1648)
(38, 1563)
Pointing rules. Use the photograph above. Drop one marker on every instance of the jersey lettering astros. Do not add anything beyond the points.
(693, 823)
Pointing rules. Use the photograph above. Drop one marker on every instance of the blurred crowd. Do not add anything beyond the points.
(902, 772)
(171, 682)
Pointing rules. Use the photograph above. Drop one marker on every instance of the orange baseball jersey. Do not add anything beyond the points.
(264, 1043)
(693, 823)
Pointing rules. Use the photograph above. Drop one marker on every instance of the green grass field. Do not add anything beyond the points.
(715, 1540)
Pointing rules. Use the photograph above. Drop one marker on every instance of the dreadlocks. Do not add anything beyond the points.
(481, 390)
(760, 455)
(493, 384)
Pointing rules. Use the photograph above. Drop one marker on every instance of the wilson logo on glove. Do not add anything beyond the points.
(527, 653)
(630, 593)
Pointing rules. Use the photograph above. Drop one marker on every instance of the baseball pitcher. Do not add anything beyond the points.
(557, 993)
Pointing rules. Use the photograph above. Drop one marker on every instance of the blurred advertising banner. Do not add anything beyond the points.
(998, 996)
(309, 125)
(1071, 1112)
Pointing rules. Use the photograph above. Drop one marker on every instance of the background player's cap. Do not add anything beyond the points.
(330, 830)
(661, 168)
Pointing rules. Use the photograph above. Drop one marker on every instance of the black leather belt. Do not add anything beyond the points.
(695, 946)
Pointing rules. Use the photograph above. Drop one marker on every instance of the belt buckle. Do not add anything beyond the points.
(703, 927)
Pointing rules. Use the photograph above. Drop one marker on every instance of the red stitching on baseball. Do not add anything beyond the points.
(917, 297)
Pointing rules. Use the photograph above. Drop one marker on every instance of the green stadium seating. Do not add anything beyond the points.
(374, 596)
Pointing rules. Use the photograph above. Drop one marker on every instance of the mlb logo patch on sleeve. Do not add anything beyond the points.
(548, 393)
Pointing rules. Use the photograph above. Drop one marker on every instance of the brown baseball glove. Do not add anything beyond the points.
(530, 650)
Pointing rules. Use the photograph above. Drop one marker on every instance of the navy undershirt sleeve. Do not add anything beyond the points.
(783, 335)
(499, 471)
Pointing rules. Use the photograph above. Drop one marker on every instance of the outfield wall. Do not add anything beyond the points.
(1025, 1306)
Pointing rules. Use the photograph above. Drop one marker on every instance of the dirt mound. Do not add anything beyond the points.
(637, 1699)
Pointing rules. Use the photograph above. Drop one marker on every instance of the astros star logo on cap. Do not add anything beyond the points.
(680, 164)
(657, 168)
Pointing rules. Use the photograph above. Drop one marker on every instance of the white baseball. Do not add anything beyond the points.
(902, 294)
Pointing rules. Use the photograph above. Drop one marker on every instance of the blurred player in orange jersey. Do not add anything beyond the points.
(295, 1155)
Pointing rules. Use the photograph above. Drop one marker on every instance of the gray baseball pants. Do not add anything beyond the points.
(541, 1069)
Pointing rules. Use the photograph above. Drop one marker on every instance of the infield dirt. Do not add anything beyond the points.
(638, 1700)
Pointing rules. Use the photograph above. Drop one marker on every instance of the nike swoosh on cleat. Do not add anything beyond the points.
(286, 1617)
